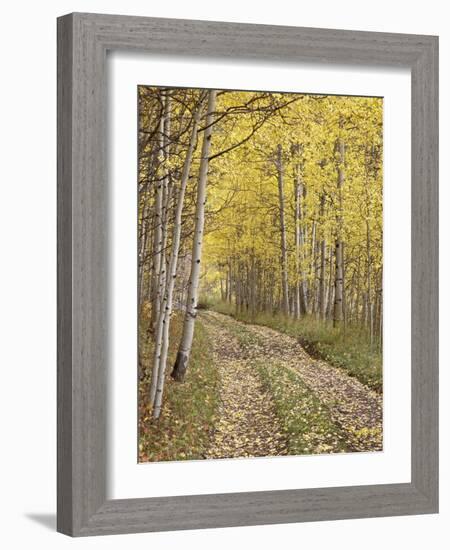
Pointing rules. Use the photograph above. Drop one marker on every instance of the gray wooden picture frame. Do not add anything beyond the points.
(83, 40)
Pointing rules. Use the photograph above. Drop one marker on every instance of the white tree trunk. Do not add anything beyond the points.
(297, 191)
(157, 235)
(191, 306)
(163, 323)
(338, 316)
(165, 202)
(143, 236)
(284, 267)
(323, 247)
(369, 257)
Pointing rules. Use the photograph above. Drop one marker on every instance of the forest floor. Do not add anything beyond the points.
(275, 399)
(347, 347)
(254, 391)
(247, 424)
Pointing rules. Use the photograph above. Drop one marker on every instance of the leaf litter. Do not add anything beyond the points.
(335, 412)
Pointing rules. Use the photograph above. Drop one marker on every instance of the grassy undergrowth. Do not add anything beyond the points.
(305, 421)
(349, 349)
(184, 428)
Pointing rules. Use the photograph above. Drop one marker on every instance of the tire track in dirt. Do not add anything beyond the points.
(247, 425)
(354, 407)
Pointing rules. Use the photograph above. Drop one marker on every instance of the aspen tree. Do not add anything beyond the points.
(158, 231)
(338, 313)
(322, 274)
(166, 194)
(277, 219)
(297, 229)
(184, 350)
(284, 266)
(163, 324)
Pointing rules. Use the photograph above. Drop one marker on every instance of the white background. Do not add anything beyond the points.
(28, 274)
(131, 480)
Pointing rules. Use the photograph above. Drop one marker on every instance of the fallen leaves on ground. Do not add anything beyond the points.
(246, 424)
(183, 431)
(355, 409)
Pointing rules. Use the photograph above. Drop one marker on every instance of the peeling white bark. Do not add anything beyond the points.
(165, 202)
(184, 349)
(163, 322)
(338, 315)
(191, 306)
(284, 266)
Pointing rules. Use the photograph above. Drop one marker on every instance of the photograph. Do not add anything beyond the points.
(221, 286)
(260, 274)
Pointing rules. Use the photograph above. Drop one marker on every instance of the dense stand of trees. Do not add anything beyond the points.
(271, 202)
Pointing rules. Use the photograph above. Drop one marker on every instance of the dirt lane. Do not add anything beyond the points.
(247, 425)
(247, 412)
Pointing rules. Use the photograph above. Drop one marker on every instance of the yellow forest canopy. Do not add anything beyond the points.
(243, 202)
(266, 202)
